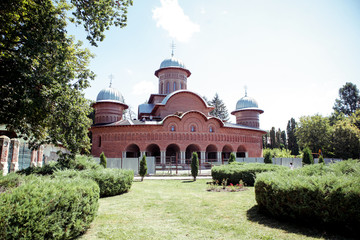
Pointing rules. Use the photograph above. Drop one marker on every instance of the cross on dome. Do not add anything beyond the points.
(173, 46)
(111, 78)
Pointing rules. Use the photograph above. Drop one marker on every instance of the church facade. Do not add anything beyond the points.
(174, 123)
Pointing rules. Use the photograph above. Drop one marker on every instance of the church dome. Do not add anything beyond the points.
(246, 102)
(110, 94)
(172, 62)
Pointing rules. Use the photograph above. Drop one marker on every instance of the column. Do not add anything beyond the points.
(5, 145)
(219, 160)
(143, 153)
(33, 158)
(182, 157)
(124, 154)
(40, 153)
(15, 155)
(163, 157)
(202, 157)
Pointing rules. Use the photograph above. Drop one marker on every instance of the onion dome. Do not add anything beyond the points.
(246, 102)
(172, 62)
(110, 94)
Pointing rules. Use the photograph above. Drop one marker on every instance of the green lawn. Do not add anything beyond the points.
(173, 209)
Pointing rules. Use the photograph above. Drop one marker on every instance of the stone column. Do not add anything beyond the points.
(15, 155)
(202, 157)
(163, 157)
(219, 160)
(182, 157)
(40, 153)
(4, 153)
(33, 158)
(142, 154)
(124, 154)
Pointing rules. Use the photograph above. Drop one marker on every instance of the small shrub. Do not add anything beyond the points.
(111, 181)
(234, 173)
(143, 167)
(194, 165)
(232, 158)
(103, 160)
(307, 157)
(44, 208)
(321, 159)
(268, 158)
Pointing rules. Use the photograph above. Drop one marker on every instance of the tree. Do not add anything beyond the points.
(292, 140)
(268, 158)
(220, 110)
(143, 167)
(272, 138)
(103, 161)
(307, 156)
(349, 100)
(314, 132)
(321, 159)
(194, 165)
(283, 143)
(232, 158)
(43, 72)
(345, 140)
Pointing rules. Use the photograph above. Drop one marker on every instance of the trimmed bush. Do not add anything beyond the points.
(329, 195)
(321, 159)
(232, 158)
(44, 208)
(103, 160)
(111, 181)
(307, 157)
(194, 165)
(143, 167)
(268, 158)
(245, 172)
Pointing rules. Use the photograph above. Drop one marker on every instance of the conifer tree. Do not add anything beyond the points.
(143, 167)
(232, 158)
(321, 159)
(220, 109)
(194, 165)
(292, 139)
(103, 161)
(307, 156)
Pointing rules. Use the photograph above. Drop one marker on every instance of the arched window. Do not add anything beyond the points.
(172, 128)
(181, 86)
(174, 86)
(99, 141)
(211, 129)
(161, 88)
(168, 87)
(192, 128)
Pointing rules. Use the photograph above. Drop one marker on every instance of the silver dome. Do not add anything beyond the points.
(110, 94)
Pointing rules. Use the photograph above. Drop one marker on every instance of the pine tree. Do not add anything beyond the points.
(272, 138)
(103, 161)
(220, 109)
(349, 100)
(232, 158)
(307, 157)
(194, 165)
(292, 139)
(321, 159)
(143, 167)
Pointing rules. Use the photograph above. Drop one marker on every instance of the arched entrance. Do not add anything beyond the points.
(172, 153)
(241, 152)
(132, 151)
(189, 150)
(226, 151)
(153, 150)
(211, 153)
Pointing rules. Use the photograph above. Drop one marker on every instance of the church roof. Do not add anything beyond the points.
(110, 94)
(172, 62)
(246, 102)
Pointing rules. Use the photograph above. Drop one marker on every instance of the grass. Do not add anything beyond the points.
(173, 209)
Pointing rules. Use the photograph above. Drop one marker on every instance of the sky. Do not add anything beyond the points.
(293, 56)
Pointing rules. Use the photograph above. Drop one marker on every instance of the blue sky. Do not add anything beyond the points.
(293, 56)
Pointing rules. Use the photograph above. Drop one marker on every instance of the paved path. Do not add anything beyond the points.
(171, 177)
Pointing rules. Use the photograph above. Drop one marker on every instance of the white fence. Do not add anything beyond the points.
(130, 163)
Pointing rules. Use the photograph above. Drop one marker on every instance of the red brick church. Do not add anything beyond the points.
(174, 123)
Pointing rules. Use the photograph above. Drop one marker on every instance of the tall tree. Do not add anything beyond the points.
(220, 109)
(283, 139)
(314, 132)
(292, 139)
(272, 138)
(43, 71)
(345, 140)
(349, 100)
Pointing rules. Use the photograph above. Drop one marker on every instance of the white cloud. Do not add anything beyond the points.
(202, 11)
(129, 71)
(143, 88)
(171, 17)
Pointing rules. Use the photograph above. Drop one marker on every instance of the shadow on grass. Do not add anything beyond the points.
(310, 230)
(188, 181)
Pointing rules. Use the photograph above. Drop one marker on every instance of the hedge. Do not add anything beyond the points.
(329, 195)
(44, 208)
(246, 172)
(111, 181)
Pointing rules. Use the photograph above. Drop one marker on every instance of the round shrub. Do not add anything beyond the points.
(329, 195)
(44, 208)
(111, 181)
(233, 173)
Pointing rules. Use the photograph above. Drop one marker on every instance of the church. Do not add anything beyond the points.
(174, 123)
